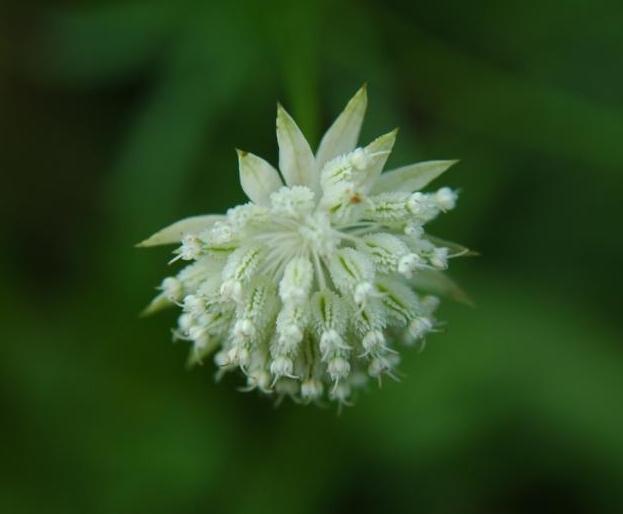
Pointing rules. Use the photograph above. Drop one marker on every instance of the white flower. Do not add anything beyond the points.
(310, 286)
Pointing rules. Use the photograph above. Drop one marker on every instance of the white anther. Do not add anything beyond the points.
(445, 199)
(290, 334)
(191, 248)
(221, 359)
(194, 305)
(338, 368)
(330, 342)
(172, 289)
(362, 292)
(422, 206)
(373, 341)
(311, 389)
(184, 322)
(282, 367)
(417, 203)
(378, 366)
(409, 263)
(220, 233)
(239, 355)
(259, 378)
(341, 392)
(414, 230)
(197, 333)
(419, 327)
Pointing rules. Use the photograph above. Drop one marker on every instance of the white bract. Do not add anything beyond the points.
(309, 287)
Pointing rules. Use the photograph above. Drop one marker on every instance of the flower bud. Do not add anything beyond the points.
(282, 367)
(419, 327)
(172, 289)
(373, 341)
(341, 392)
(191, 248)
(331, 342)
(422, 207)
(378, 366)
(409, 263)
(414, 230)
(194, 305)
(259, 378)
(338, 368)
(445, 199)
(311, 389)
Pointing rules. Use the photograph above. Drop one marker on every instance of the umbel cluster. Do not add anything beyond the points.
(311, 287)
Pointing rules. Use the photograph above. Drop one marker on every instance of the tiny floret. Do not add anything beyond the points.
(445, 199)
(311, 287)
(172, 288)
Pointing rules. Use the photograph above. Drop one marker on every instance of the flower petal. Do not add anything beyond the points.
(341, 138)
(412, 177)
(379, 151)
(438, 283)
(175, 232)
(257, 177)
(296, 160)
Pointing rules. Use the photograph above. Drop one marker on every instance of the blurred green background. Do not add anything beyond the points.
(117, 118)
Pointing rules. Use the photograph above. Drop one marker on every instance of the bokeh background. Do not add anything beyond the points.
(117, 118)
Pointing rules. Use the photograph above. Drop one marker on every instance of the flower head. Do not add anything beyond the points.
(310, 286)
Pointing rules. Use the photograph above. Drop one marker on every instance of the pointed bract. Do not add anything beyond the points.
(157, 304)
(175, 232)
(379, 151)
(457, 250)
(257, 178)
(296, 160)
(412, 177)
(342, 136)
(438, 283)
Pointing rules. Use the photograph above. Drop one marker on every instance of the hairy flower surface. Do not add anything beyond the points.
(309, 288)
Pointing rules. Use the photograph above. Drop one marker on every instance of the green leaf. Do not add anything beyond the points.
(105, 43)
